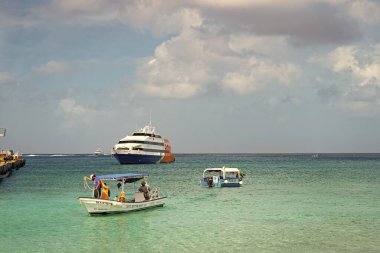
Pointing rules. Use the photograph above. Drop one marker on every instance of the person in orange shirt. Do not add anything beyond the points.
(122, 197)
(105, 190)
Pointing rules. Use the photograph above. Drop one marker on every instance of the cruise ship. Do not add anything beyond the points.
(142, 147)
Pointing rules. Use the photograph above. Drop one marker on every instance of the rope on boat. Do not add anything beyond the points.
(85, 184)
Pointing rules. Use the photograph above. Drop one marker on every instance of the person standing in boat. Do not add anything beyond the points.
(144, 188)
(97, 186)
(105, 192)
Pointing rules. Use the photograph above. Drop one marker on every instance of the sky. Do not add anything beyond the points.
(213, 76)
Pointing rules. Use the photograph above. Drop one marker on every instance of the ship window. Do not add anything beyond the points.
(140, 134)
(146, 134)
(150, 150)
(143, 142)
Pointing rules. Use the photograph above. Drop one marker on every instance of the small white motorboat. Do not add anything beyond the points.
(98, 152)
(221, 177)
(121, 204)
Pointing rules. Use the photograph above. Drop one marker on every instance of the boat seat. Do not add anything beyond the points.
(139, 197)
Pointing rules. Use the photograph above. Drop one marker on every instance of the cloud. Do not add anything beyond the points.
(360, 92)
(52, 67)
(205, 61)
(362, 63)
(172, 90)
(261, 3)
(158, 17)
(365, 11)
(76, 114)
(304, 22)
(259, 73)
(224, 46)
(174, 72)
(272, 46)
(161, 18)
(314, 23)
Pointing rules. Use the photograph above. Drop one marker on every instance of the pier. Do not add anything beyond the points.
(9, 162)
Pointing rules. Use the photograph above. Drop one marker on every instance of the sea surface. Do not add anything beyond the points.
(288, 203)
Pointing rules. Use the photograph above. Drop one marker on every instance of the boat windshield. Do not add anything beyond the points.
(212, 172)
(222, 172)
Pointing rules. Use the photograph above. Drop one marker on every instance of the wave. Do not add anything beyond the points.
(50, 155)
(65, 155)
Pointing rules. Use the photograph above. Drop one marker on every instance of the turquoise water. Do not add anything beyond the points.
(289, 203)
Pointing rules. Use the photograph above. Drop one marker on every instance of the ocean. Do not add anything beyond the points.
(288, 203)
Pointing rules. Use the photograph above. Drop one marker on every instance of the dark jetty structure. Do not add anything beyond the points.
(9, 162)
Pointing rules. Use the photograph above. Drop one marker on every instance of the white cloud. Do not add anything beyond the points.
(259, 73)
(180, 68)
(365, 11)
(204, 61)
(76, 114)
(239, 83)
(273, 46)
(363, 64)
(51, 67)
(165, 22)
(361, 94)
(343, 58)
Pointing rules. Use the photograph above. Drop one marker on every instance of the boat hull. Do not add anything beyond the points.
(101, 206)
(137, 158)
(168, 156)
(204, 182)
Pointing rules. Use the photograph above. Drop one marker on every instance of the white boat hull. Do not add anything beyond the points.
(101, 206)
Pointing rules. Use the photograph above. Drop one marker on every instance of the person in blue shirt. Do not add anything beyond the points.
(97, 186)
